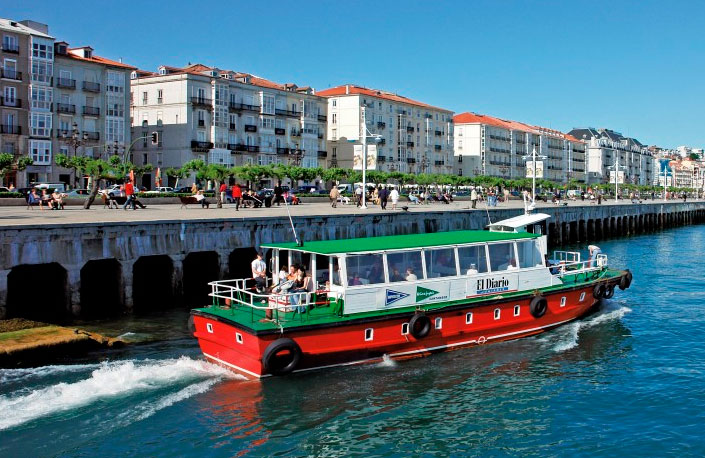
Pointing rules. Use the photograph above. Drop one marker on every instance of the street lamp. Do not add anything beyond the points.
(377, 138)
(295, 156)
(425, 163)
(616, 168)
(533, 157)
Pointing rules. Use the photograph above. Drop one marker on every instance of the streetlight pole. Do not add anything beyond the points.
(534, 156)
(616, 167)
(364, 134)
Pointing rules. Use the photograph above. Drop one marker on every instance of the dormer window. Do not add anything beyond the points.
(133, 75)
(214, 73)
(88, 53)
(61, 48)
(162, 71)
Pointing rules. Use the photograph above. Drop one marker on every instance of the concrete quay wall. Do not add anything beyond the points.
(96, 270)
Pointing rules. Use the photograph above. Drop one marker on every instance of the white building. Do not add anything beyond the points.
(224, 117)
(486, 145)
(415, 137)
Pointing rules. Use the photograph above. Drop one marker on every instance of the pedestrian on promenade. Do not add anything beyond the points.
(383, 196)
(278, 192)
(506, 195)
(599, 198)
(394, 195)
(334, 194)
(237, 196)
(194, 188)
(358, 196)
(130, 193)
(223, 189)
(473, 197)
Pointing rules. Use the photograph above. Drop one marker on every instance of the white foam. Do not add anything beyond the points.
(14, 375)
(570, 339)
(107, 381)
(387, 361)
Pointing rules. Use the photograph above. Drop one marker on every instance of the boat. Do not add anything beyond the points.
(400, 297)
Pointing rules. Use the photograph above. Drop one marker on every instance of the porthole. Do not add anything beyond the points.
(497, 314)
(563, 301)
(369, 334)
(582, 296)
(516, 310)
(209, 327)
(238, 337)
(439, 323)
(468, 318)
(404, 329)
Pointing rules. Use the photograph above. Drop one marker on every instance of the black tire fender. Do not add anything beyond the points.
(626, 281)
(281, 365)
(609, 292)
(538, 306)
(598, 292)
(191, 325)
(419, 325)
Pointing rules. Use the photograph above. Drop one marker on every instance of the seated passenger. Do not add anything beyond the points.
(281, 276)
(395, 275)
(355, 281)
(472, 270)
(410, 275)
(512, 265)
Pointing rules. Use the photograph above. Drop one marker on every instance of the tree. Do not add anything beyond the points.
(8, 164)
(178, 173)
(96, 169)
(693, 156)
(216, 172)
(335, 175)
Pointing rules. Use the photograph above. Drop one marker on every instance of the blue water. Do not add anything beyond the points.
(628, 379)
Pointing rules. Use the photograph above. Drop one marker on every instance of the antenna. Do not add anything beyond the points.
(291, 221)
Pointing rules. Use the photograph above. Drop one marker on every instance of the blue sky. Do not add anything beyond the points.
(635, 67)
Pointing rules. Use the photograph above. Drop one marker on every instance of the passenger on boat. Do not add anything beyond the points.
(594, 250)
(376, 274)
(292, 272)
(472, 270)
(355, 281)
(281, 276)
(396, 276)
(512, 265)
(259, 272)
(410, 275)
(301, 285)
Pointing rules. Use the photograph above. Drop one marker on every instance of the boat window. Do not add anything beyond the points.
(440, 263)
(529, 254)
(300, 259)
(322, 271)
(472, 259)
(502, 256)
(365, 269)
(336, 271)
(405, 266)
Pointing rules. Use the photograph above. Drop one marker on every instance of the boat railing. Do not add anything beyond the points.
(275, 305)
(566, 256)
(589, 267)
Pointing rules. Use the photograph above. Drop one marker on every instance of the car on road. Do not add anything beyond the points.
(160, 190)
(77, 193)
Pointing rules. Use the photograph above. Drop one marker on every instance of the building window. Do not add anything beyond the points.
(517, 309)
(335, 102)
(160, 96)
(497, 314)
(40, 152)
(40, 124)
(369, 334)
(144, 98)
(468, 318)
(334, 118)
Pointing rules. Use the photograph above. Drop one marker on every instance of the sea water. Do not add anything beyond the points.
(628, 379)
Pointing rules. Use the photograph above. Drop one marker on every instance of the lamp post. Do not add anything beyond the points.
(616, 168)
(365, 133)
(533, 157)
(425, 163)
(74, 140)
(295, 156)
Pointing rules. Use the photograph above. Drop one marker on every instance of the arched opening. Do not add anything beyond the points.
(239, 262)
(152, 283)
(38, 292)
(200, 268)
(101, 289)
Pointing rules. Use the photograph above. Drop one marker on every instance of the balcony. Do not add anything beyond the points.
(438, 133)
(248, 148)
(11, 48)
(320, 136)
(232, 126)
(382, 141)
(381, 125)
(92, 136)
(409, 144)
(232, 106)
(10, 74)
(201, 123)
(250, 128)
(283, 151)
(437, 147)
(232, 147)
(201, 146)
(65, 108)
(381, 159)
(322, 154)
(411, 160)
(202, 102)
(440, 163)
(290, 113)
(90, 86)
(15, 103)
(279, 131)
(428, 116)
(65, 83)
(12, 130)
(322, 118)
(410, 129)
(295, 133)
(91, 111)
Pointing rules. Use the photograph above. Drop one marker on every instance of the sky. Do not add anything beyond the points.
(634, 67)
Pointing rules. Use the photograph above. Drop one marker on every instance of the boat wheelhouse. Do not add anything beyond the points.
(401, 296)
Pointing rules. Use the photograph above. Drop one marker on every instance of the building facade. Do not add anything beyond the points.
(607, 148)
(414, 137)
(486, 145)
(224, 117)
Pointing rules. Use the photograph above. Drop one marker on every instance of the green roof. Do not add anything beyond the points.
(399, 242)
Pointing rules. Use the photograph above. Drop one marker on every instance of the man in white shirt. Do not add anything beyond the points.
(410, 275)
(394, 196)
(259, 272)
(472, 270)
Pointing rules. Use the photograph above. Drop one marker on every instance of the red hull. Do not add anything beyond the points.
(327, 346)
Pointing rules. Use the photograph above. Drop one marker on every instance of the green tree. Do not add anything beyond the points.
(177, 173)
(218, 173)
(96, 169)
(336, 175)
(8, 164)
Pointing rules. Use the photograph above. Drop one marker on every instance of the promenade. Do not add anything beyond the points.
(20, 216)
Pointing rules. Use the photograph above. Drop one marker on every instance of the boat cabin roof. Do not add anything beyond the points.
(518, 223)
(399, 242)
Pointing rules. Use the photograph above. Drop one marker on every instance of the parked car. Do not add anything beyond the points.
(183, 190)
(161, 190)
(4, 189)
(77, 193)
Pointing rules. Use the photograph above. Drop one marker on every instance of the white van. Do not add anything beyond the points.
(50, 187)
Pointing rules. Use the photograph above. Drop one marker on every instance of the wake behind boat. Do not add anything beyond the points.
(402, 296)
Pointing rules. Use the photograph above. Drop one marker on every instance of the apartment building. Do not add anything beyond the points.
(606, 147)
(487, 145)
(25, 128)
(415, 137)
(224, 117)
(91, 97)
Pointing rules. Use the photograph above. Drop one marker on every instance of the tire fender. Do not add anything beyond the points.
(538, 306)
(626, 281)
(276, 365)
(598, 292)
(419, 325)
(609, 292)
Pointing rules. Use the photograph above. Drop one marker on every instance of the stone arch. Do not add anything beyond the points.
(152, 283)
(101, 289)
(200, 268)
(239, 262)
(38, 292)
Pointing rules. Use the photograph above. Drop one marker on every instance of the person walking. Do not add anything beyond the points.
(194, 188)
(383, 196)
(506, 195)
(358, 195)
(473, 197)
(130, 193)
(278, 192)
(237, 196)
(394, 195)
(334, 194)
(223, 189)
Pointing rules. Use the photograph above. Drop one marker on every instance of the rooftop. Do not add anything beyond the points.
(73, 53)
(351, 89)
(399, 242)
(26, 27)
(474, 118)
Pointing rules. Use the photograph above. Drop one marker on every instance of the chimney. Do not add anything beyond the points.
(347, 89)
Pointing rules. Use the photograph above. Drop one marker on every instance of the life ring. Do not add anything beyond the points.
(538, 306)
(191, 325)
(419, 325)
(277, 363)
(609, 292)
(625, 281)
(598, 291)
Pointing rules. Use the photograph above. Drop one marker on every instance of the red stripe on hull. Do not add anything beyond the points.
(329, 346)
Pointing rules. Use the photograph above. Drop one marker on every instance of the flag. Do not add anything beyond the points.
(158, 177)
